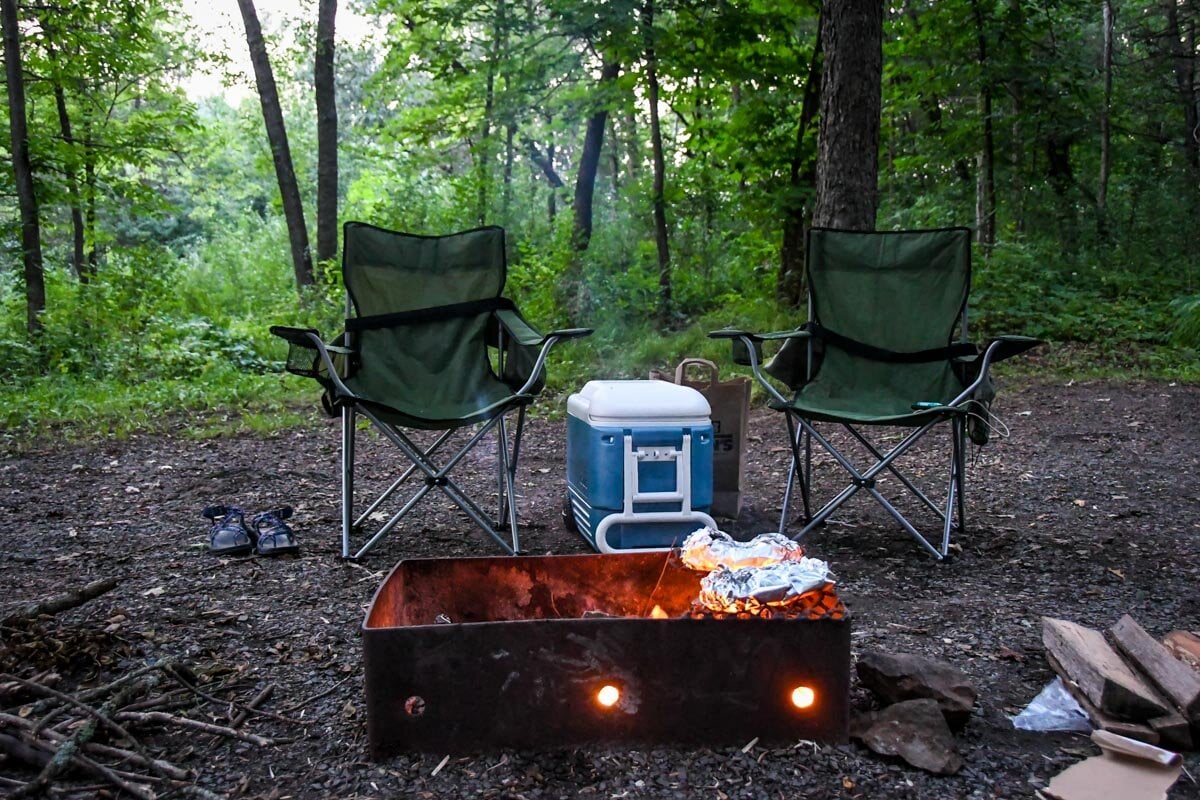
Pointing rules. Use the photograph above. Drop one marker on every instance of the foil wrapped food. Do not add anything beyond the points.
(752, 588)
(707, 549)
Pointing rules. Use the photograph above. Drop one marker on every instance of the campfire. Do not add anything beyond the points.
(466, 654)
(767, 577)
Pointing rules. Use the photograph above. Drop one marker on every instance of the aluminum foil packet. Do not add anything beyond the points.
(707, 549)
(750, 588)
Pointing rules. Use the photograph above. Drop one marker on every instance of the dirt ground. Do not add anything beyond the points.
(1088, 511)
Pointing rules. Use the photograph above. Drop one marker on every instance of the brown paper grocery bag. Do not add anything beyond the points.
(730, 403)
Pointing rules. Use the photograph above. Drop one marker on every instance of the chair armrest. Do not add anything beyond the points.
(570, 333)
(310, 339)
(526, 338)
(751, 352)
(997, 349)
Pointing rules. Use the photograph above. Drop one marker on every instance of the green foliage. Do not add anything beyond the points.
(474, 113)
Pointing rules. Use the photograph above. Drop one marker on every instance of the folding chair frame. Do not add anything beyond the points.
(802, 432)
(435, 476)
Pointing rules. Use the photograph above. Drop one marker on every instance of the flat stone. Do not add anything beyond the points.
(914, 730)
(896, 677)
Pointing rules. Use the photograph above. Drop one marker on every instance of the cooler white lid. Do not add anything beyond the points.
(621, 403)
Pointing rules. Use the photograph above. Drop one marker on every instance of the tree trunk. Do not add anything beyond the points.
(285, 173)
(1183, 58)
(985, 174)
(78, 263)
(552, 195)
(89, 199)
(661, 241)
(848, 147)
(31, 237)
(327, 132)
(589, 162)
(789, 287)
(1106, 62)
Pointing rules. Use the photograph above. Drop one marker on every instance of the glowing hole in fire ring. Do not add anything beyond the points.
(414, 706)
(608, 695)
(803, 697)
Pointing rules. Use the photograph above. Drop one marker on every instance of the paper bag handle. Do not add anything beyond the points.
(713, 372)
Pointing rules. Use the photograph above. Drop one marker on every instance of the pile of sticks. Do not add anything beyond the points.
(63, 735)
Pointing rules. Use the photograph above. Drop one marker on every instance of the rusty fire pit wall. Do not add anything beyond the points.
(520, 665)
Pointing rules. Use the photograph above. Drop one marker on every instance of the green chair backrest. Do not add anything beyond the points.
(433, 367)
(903, 291)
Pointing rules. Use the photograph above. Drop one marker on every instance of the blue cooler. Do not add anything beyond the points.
(639, 464)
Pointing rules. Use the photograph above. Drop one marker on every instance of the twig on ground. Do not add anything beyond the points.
(317, 696)
(151, 717)
(165, 768)
(252, 706)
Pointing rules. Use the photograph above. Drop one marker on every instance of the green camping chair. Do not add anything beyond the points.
(885, 345)
(430, 344)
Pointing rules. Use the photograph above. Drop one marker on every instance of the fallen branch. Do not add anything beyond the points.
(61, 602)
(253, 705)
(165, 768)
(68, 752)
(95, 693)
(152, 717)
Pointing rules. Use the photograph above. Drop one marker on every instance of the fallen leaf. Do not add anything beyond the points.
(155, 592)
(1009, 655)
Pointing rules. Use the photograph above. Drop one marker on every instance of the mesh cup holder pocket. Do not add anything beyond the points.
(303, 360)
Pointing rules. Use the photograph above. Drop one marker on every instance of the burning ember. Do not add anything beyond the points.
(766, 576)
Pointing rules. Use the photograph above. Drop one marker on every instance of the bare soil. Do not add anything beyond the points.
(1088, 511)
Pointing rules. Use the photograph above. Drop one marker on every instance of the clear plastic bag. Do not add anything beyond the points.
(1054, 709)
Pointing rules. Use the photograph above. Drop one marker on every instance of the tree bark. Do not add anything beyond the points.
(661, 240)
(285, 173)
(1183, 58)
(589, 162)
(985, 175)
(789, 287)
(327, 132)
(78, 263)
(31, 236)
(848, 147)
(1106, 62)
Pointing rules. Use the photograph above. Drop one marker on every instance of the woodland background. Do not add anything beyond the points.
(653, 161)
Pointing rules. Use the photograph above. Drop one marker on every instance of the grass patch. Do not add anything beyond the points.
(74, 409)
(227, 402)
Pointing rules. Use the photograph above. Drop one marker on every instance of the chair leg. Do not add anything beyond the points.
(396, 484)
(960, 443)
(508, 469)
(348, 423)
(804, 475)
(866, 480)
(506, 474)
(438, 476)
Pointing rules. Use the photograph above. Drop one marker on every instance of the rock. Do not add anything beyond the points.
(895, 678)
(916, 731)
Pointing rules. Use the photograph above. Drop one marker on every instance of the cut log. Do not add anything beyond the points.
(1179, 682)
(1098, 670)
(1104, 722)
(1185, 645)
(1173, 731)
